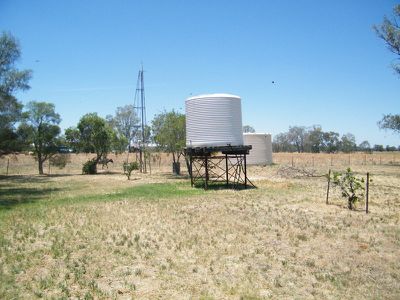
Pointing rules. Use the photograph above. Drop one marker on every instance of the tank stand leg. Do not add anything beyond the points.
(245, 172)
(206, 166)
(191, 169)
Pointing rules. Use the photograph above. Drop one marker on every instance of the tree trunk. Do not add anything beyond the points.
(173, 157)
(188, 165)
(40, 163)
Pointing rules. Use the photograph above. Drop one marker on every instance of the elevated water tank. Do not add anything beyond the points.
(261, 152)
(213, 120)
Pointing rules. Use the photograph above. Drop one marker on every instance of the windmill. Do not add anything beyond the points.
(140, 129)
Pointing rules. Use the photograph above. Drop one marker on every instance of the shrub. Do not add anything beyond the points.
(352, 188)
(89, 167)
(129, 167)
(60, 160)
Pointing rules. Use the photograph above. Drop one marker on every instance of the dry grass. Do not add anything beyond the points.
(105, 237)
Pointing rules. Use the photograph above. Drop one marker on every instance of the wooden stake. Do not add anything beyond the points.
(331, 160)
(150, 163)
(8, 163)
(292, 162)
(367, 194)
(327, 190)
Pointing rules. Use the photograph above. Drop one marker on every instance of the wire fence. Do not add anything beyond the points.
(25, 164)
(337, 159)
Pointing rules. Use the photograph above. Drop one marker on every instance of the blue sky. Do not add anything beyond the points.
(328, 65)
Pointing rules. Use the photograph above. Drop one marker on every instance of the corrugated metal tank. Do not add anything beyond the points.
(261, 152)
(213, 120)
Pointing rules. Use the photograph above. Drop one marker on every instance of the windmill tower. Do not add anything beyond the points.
(140, 110)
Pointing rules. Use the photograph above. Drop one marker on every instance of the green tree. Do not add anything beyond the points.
(390, 148)
(389, 31)
(11, 81)
(169, 133)
(95, 136)
(125, 122)
(352, 188)
(331, 141)
(119, 142)
(314, 140)
(391, 122)
(297, 136)
(248, 129)
(364, 146)
(281, 143)
(72, 138)
(348, 143)
(40, 128)
(379, 148)
(10, 113)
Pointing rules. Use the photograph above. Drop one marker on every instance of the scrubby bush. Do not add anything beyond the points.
(89, 167)
(352, 188)
(129, 167)
(60, 160)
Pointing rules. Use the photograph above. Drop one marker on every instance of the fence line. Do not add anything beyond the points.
(336, 159)
(24, 164)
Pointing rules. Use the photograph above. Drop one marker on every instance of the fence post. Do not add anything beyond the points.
(367, 194)
(150, 163)
(349, 160)
(292, 161)
(331, 160)
(313, 161)
(8, 163)
(327, 190)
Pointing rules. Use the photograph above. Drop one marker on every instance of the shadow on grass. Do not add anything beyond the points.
(13, 192)
(223, 186)
(12, 196)
(26, 178)
(181, 177)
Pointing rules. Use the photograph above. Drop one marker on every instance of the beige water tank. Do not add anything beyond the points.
(261, 152)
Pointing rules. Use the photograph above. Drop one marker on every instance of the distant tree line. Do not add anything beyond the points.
(314, 139)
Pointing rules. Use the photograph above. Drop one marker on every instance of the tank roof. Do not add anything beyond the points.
(256, 133)
(213, 96)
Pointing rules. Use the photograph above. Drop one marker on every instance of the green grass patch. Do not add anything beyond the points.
(153, 191)
(27, 198)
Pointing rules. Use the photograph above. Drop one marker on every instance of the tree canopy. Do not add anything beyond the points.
(314, 139)
(125, 122)
(248, 129)
(11, 80)
(40, 128)
(391, 122)
(169, 133)
(389, 31)
(95, 135)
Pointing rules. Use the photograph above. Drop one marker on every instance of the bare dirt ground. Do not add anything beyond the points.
(80, 237)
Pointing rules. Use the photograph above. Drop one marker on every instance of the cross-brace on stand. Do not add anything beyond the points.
(208, 166)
